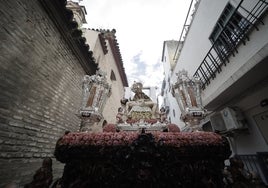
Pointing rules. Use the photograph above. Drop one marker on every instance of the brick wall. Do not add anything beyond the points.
(40, 89)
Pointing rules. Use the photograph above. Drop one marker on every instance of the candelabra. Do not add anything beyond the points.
(95, 92)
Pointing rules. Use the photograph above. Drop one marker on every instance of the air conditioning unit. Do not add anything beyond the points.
(227, 120)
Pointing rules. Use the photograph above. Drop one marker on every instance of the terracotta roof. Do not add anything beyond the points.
(63, 20)
(103, 43)
(110, 36)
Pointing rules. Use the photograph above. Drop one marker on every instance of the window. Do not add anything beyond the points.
(227, 12)
(98, 60)
(112, 76)
(228, 31)
(174, 113)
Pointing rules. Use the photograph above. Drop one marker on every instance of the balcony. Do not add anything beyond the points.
(256, 164)
(231, 30)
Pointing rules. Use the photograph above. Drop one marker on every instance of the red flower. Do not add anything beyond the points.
(109, 128)
(173, 128)
(176, 139)
(150, 121)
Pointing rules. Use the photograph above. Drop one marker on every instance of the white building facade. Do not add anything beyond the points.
(107, 54)
(105, 49)
(227, 48)
(169, 101)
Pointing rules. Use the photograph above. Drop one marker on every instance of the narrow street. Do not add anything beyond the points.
(72, 115)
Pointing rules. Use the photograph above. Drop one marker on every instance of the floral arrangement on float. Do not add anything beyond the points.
(142, 149)
(113, 141)
(141, 159)
(175, 139)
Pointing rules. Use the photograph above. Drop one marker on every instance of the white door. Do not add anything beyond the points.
(262, 122)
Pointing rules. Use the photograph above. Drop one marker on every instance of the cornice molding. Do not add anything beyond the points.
(63, 20)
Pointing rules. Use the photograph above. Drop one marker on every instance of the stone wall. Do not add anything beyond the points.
(40, 89)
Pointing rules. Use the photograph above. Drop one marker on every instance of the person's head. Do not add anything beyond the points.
(11, 185)
(137, 87)
(47, 162)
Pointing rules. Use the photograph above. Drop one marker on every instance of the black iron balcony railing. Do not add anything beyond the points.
(227, 38)
(254, 164)
(250, 163)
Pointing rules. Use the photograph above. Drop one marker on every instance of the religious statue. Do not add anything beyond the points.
(120, 115)
(162, 114)
(140, 102)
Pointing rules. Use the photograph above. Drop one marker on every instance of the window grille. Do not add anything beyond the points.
(231, 29)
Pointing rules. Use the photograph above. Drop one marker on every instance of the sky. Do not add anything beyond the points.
(141, 28)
